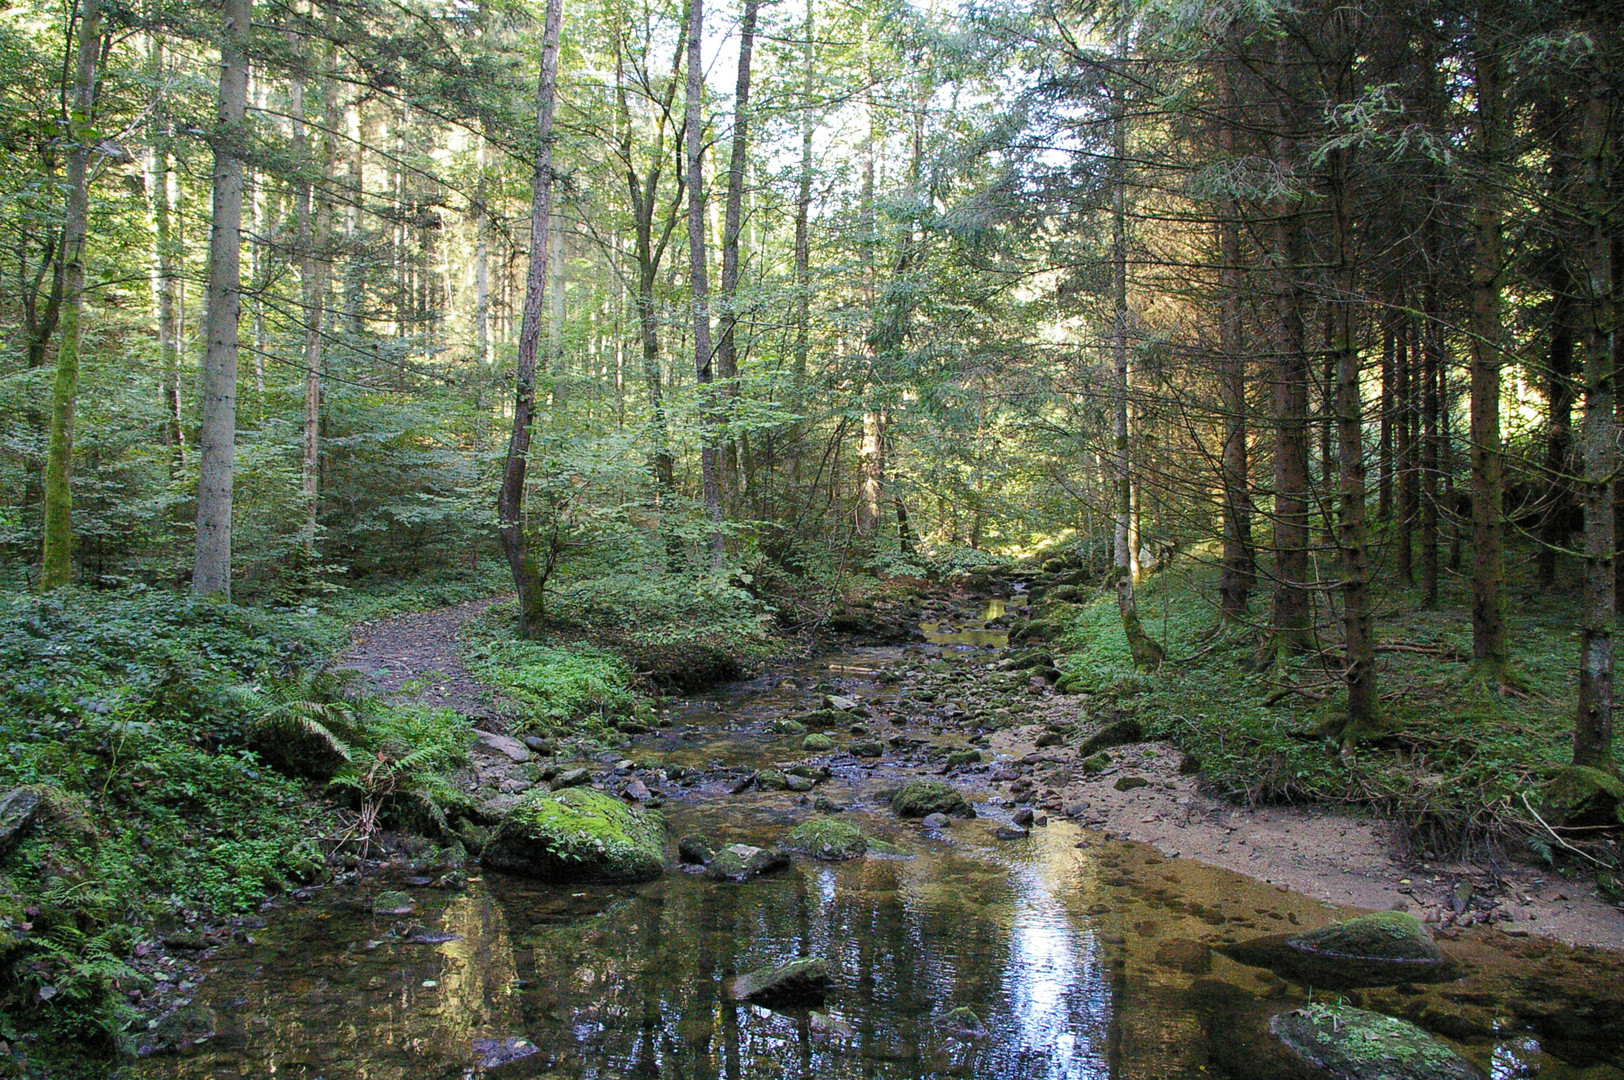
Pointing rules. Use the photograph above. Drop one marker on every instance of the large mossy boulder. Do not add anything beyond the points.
(830, 839)
(919, 798)
(578, 835)
(798, 982)
(1581, 796)
(18, 809)
(1339, 1042)
(1378, 949)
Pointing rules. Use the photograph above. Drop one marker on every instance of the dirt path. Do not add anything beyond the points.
(391, 653)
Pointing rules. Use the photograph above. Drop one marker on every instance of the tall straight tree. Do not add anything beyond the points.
(56, 562)
(727, 349)
(510, 500)
(217, 442)
(1491, 655)
(699, 278)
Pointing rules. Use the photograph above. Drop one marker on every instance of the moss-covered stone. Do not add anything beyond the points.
(867, 748)
(817, 743)
(917, 798)
(393, 902)
(771, 780)
(1128, 783)
(1119, 733)
(829, 838)
(1580, 796)
(1345, 1043)
(1096, 763)
(798, 982)
(1379, 949)
(740, 862)
(578, 834)
(959, 758)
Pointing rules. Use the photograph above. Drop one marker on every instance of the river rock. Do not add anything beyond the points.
(1343, 1043)
(1012, 832)
(506, 745)
(867, 748)
(799, 982)
(740, 862)
(501, 1056)
(18, 809)
(917, 798)
(817, 743)
(963, 1024)
(1128, 783)
(636, 791)
(571, 778)
(1118, 733)
(695, 849)
(829, 839)
(1379, 949)
(936, 821)
(799, 783)
(393, 902)
(849, 705)
(186, 1026)
(578, 835)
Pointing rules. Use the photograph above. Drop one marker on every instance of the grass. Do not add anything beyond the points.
(1459, 757)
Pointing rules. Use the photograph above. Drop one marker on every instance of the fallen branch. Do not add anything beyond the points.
(1582, 854)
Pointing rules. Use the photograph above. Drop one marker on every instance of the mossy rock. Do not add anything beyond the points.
(822, 718)
(817, 743)
(787, 726)
(959, 758)
(1343, 1043)
(917, 798)
(963, 1024)
(740, 862)
(771, 780)
(1380, 949)
(1096, 763)
(830, 839)
(1579, 796)
(18, 809)
(799, 982)
(867, 748)
(1128, 783)
(578, 834)
(1119, 733)
(393, 902)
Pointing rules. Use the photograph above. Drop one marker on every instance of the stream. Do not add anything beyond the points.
(1080, 956)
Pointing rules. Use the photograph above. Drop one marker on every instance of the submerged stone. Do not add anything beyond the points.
(578, 835)
(830, 839)
(1378, 949)
(393, 902)
(963, 1024)
(799, 982)
(739, 862)
(1344, 1043)
(497, 1055)
(918, 798)
(186, 1026)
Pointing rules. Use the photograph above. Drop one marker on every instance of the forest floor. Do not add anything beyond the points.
(1347, 857)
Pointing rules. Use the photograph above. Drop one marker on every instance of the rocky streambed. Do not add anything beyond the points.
(875, 863)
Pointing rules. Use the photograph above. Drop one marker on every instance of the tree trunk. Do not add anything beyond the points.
(56, 562)
(1384, 474)
(166, 273)
(1593, 729)
(699, 276)
(510, 501)
(211, 564)
(1239, 570)
(1431, 406)
(314, 269)
(1290, 614)
(1146, 652)
(727, 359)
(1405, 384)
(1491, 656)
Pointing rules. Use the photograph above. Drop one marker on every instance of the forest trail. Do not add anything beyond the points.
(422, 645)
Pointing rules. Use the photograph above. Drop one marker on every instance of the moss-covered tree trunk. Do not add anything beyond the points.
(527, 579)
(56, 562)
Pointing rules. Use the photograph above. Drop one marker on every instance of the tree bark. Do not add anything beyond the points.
(1491, 656)
(510, 501)
(211, 564)
(1238, 573)
(56, 562)
(727, 358)
(699, 276)
(1593, 729)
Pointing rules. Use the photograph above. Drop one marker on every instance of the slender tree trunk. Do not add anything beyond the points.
(1384, 473)
(1431, 332)
(1358, 622)
(1593, 729)
(56, 562)
(355, 269)
(803, 211)
(699, 276)
(1491, 654)
(211, 565)
(166, 272)
(482, 265)
(727, 359)
(1553, 525)
(314, 270)
(510, 501)
(1239, 570)
(1406, 382)
(1290, 608)
(1144, 649)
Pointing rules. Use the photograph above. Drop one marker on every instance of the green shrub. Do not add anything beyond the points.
(545, 687)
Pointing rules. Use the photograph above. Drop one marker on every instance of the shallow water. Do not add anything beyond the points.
(980, 633)
(1081, 957)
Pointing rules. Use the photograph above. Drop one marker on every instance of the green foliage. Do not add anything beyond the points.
(1455, 768)
(547, 687)
(666, 609)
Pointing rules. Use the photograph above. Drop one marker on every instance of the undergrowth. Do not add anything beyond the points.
(1457, 759)
(149, 725)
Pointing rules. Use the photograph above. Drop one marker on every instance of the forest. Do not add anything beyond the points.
(1255, 361)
